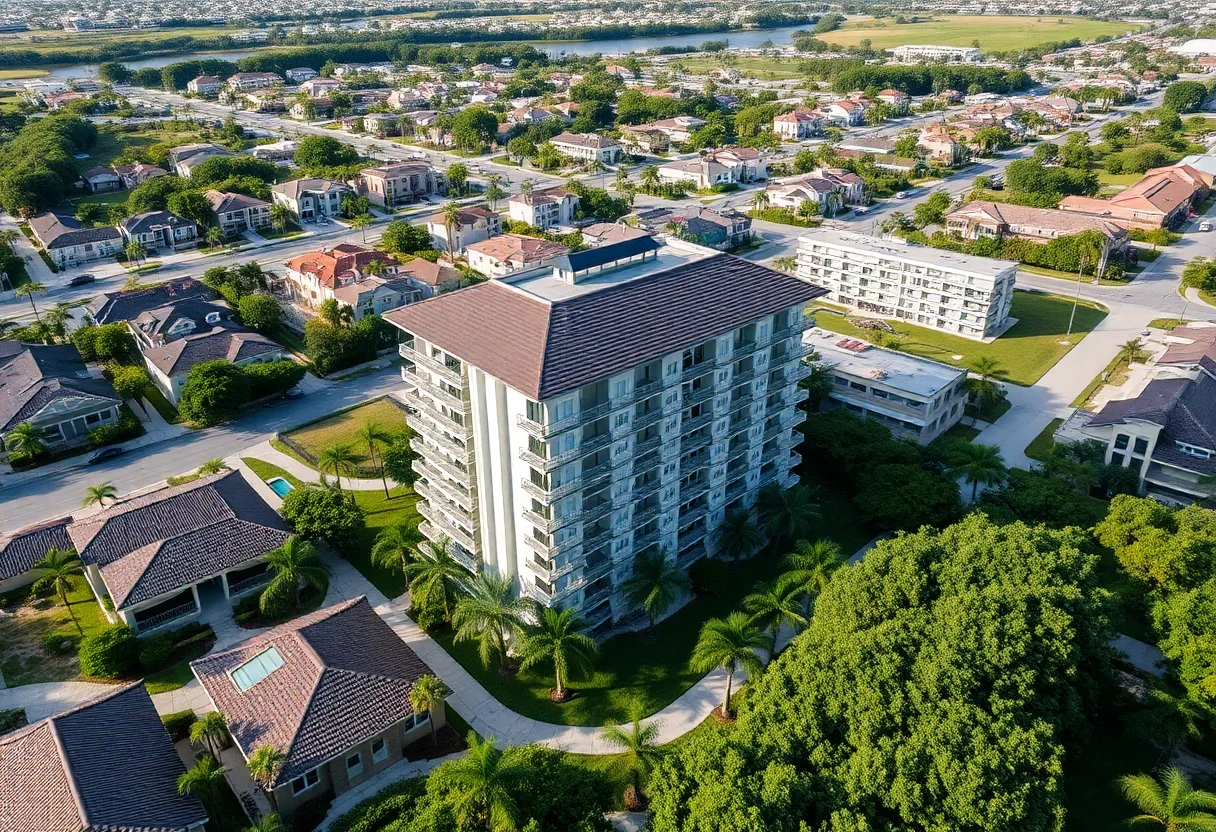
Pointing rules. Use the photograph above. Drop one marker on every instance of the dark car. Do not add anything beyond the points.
(81, 280)
(294, 393)
(104, 454)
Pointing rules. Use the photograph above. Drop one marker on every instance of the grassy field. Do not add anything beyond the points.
(1040, 446)
(994, 32)
(769, 69)
(17, 74)
(1121, 180)
(1061, 275)
(341, 428)
(1028, 350)
(23, 660)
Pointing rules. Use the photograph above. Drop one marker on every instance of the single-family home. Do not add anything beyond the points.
(872, 147)
(237, 213)
(159, 230)
(483, 95)
(746, 164)
(186, 157)
(244, 81)
(702, 173)
(605, 233)
(473, 224)
(979, 219)
(330, 690)
(205, 85)
(844, 112)
(678, 129)
(645, 139)
(588, 147)
(314, 277)
(940, 146)
(831, 188)
(798, 124)
(546, 208)
(375, 295)
(170, 363)
(68, 243)
(280, 151)
(529, 115)
(1162, 199)
(320, 87)
(720, 229)
(24, 547)
(300, 74)
(898, 99)
(311, 199)
(133, 176)
(565, 110)
(401, 183)
(408, 100)
(511, 253)
(177, 319)
(429, 277)
(129, 304)
(101, 179)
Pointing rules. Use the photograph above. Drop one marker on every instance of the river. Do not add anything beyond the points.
(617, 46)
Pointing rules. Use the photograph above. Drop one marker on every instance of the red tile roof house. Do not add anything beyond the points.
(107, 764)
(161, 556)
(331, 690)
(315, 276)
(1162, 199)
(511, 253)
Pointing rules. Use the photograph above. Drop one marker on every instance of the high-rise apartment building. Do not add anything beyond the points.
(622, 398)
(956, 293)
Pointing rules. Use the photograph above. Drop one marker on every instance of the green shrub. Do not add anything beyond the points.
(178, 724)
(266, 379)
(60, 644)
(111, 654)
(382, 809)
(275, 602)
(154, 652)
(127, 427)
(11, 720)
(709, 576)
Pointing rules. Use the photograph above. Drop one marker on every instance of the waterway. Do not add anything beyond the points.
(617, 46)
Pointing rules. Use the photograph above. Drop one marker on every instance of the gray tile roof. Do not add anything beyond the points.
(346, 676)
(174, 537)
(104, 766)
(127, 305)
(546, 349)
(1184, 408)
(159, 321)
(35, 376)
(63, 231)
(148, 221)
(21, 549)
(226, 342)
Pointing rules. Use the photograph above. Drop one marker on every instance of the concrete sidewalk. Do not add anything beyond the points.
(267, 453)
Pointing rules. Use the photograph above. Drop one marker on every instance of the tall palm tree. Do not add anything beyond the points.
(96, 495)
(28, 290)
(812, 565)
(1171, 804)
(738, 536)
(212, 466)
(787, 513)
(26, 439)
(451, 225)
(55, 573)
(203, 780)
(294, 563)
(484, 779)
(395, 545)
(282, 216)
(760, 200)
(489, 615)
(985, 386)
(1132, 351)
(360, 222)
(374, 436)
(437, 578)
(729, 643)
(214, 236)
(650, 177)
(340, 459)
(136, 252)
(558, 638)
(655, 584)
(776, 603)
(426, 696)
(265, 764)
(639, 743)
(211, 731)
(977, 464)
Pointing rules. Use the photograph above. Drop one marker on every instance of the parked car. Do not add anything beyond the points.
(81, 280)
(861, 209)
(112, 452)
(901, 195)
(294, 393)
(1205, 226)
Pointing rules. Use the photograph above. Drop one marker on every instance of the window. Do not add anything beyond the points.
(257, 669)
(422, 718)
(379, 751)
(1121, 441)
(1116, 459)
(305, 782)
(354, 765)
(621, 420)
(92, 418)
(1141, 446)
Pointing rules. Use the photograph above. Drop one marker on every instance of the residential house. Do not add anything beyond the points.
(746, 164)
(483, 95)
(886, 161)
(702, 173)
(565, 110)
(548, 208)
(940, 146)
(133, 176)
(265, 101)
(1162, 199)
(331, 690)
(375, 295)
(375, 124)
(100, 180)
(718, 229)
(159, 230)
(237, 213)
(678, 129)
(798, 124)
(473, 225)
(844, 112)
(898, 99)
(106, 763)
(129, 304)
(869, 147)
(245, 81)
(300, 74)
(645, 139)
(588, 147)
(186, 157)
(605, 233)
(21, 549)
(831, 188)
(401, 183)
(529, 115)
(916, 398)
(314, 277)
(68, 243)
(205, 85)
(312, 109)
(158, 326)
(511, 253)
(311, 199)
(51, 388)
(280, 151)
(408, 100)
(998, 219)
(160, 556)
(320, 87)
(429, 277)
(170, 364)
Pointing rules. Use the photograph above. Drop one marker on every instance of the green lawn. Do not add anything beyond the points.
(958, 433)
(23, 660)
(179, 673)
(997, 33)
(1041, 445)
(775, 68)
(163, 406)
(1062, 275)
(1113, 373)
(342, 428)
(1125, 180)
(1029, 349)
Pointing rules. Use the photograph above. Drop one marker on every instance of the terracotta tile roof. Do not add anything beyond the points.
(104, 766)
(344, 259)
(21, 549)
(517, 248)
(545, 349)
(346, 676)
(1045, 219)
(592, 140)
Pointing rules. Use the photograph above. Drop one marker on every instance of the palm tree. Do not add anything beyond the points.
(203, 780)
(55, 572)
(1132, 351)
(282, 216)
(812, 565)
(655, 584)
(293, 563)
(489, 614)
(986, 387)
(977, 464)
(483, 780)
(211, 466)
(96, 495)
(638, 742)
(264, 765)
(269, 822)
(1171, 804)
(339, 458)
(787, 513)
(426, 696)
(738, 536)
(394, 545)
(375, 268)
(760, 200)
(215, 236)
(649, 177)
(558, 637)
(375, 436)
(135, 251)
(777, 603)
(28, 290)
(211, 731)
(451, 225)
(360, 223)
(437, 578)
(621, 179)
(26, 439)
(729, 643)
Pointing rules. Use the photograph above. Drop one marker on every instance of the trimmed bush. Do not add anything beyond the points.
(178, 724)
(709, 576)
(111, 654)
(127, 427)
(266, 379)
(383, 809)
(154, 652)
(60, 644)
(274, 602)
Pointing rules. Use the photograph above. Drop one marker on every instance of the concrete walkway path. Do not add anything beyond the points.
(49, 698)
(267, 453)
(1138, 654)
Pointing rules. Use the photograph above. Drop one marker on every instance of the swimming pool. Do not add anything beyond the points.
(280, 486)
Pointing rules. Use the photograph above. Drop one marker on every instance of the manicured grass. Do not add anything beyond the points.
(172, 677)
(342, 428)
(994, 32)
(15, 74)
(989, 414)
(1166, 323)
(958, 433)
(268, 471)
(1126, 180)
(23, 660)
(775, 68)
(1028, 350)
(1040, 447)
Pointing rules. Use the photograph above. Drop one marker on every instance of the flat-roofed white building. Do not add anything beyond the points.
(568, 419)
(956, 293)
(917, 398)
(915, 53)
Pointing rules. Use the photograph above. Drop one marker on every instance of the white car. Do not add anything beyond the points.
(1205, 226)
(901, 195)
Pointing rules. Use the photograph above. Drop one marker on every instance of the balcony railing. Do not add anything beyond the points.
(446, 397)
(438, 489)
(694, 489)
(463, 476)
(410, 354)
(425, 438)
(241, 587)
(436, 519)
(426, 408)
(180, 611)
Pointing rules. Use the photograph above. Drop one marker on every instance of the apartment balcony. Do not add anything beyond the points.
(739, 350)
(425, 441)
(743, 375)
(439, 490)
(546, 431)
(645, 461)
(691, 397)
(692, 443)
(445, 397)
(546, 464)
(547, 570)
(686, 539)
(598, 539)
(698, 369)
(439, 524)
(435, 461)
(689, 425)
(536, 593)
(693, 489)
(644, 490)
(647, 419)
(647, 445)
(736, 488)
(644, 516)
(649, 539)
(410, 354)
(428, 410)
(691, 515)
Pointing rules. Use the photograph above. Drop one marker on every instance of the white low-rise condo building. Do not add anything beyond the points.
(621, 398)
(915, 53)
(956, 293)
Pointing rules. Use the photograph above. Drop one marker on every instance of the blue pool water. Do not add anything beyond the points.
(280, 486)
